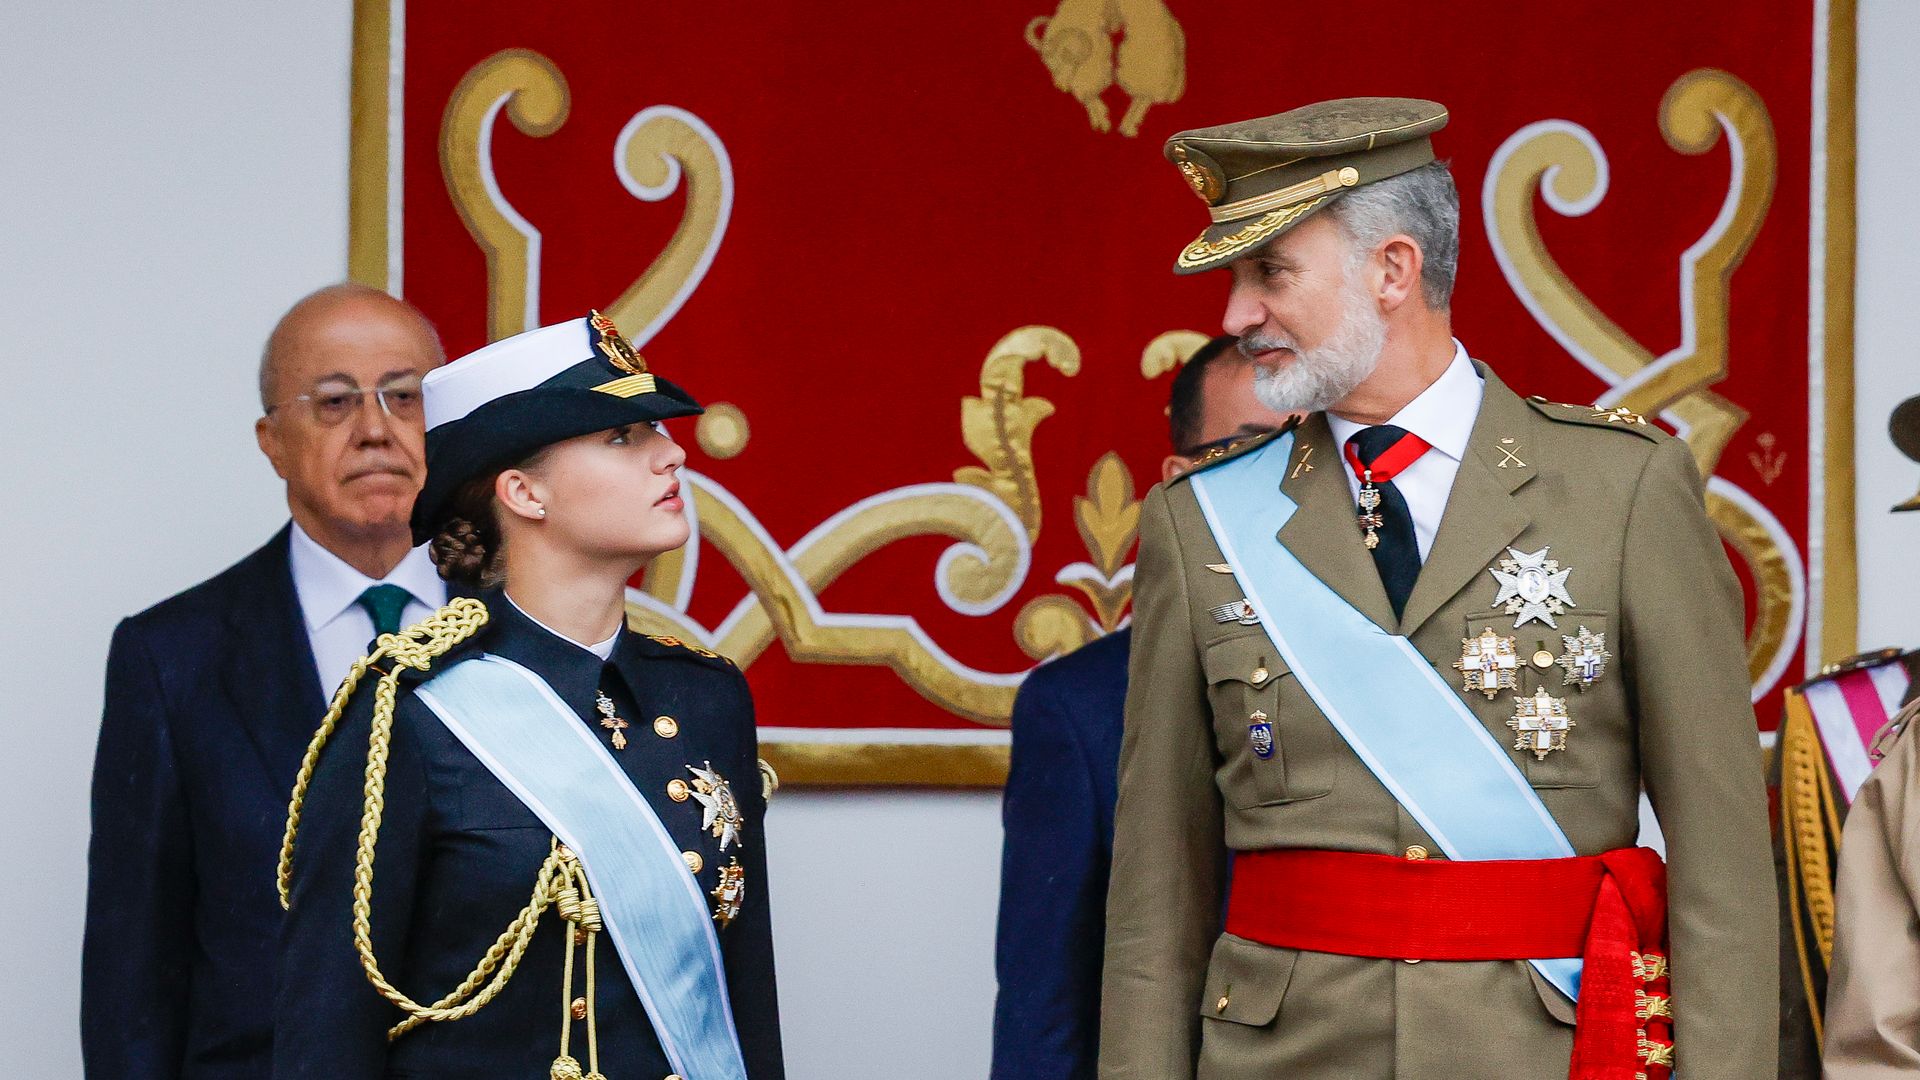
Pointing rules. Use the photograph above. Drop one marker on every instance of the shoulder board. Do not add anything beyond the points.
(1857, 662)
(675, 645)
(1621, 419)
(1227, 453)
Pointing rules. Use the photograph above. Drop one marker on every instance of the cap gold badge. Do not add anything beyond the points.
(621, 354)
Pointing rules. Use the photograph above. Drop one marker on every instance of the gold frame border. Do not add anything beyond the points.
(985, 766)
(922, 765)
(1839, 563)
(367, 164)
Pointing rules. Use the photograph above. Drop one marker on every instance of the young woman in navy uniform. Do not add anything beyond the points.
(527, 841)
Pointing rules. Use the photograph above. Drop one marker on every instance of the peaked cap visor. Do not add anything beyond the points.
(1263, 177)
(510, 428)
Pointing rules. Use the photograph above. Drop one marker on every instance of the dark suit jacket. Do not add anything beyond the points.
(1053, 873)
(211, 697)
(457, 857)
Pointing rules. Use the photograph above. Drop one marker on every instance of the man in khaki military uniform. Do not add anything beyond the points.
(1553, 564)
(1873, 994)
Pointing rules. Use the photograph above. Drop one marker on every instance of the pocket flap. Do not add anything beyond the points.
(1246, 980)
(1556, 1002)
(1248, 658)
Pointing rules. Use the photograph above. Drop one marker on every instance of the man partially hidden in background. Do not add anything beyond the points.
(1058, 809)
(197, 757)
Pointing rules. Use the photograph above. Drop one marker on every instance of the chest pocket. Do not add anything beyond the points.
(1275, 744)
(1538, 665)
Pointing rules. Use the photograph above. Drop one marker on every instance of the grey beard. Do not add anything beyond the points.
(1318, 378)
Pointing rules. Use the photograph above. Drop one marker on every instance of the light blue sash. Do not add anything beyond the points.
(521, 731)
(1403, 720)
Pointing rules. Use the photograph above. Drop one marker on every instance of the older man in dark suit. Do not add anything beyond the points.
(1060, 793)
(196, 757)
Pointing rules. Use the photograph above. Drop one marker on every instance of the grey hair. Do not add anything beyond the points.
(1422, 204)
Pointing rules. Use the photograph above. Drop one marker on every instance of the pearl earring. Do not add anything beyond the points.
(543, 511)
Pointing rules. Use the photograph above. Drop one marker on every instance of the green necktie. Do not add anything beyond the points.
(385, 603)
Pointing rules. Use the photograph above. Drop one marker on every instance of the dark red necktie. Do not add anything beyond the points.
(1377, 455)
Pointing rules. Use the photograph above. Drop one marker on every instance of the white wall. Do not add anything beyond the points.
(1887, 322)
(174, 176)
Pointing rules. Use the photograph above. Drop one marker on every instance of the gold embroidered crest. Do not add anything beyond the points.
(619, 352)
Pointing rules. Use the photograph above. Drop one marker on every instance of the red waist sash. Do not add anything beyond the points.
(1610, 910)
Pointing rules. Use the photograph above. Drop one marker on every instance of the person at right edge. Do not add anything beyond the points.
(1413, 660)
(526, 841)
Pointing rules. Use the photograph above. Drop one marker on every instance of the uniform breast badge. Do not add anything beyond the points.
(1532, 586)
(720, 811)
(1240, 611)
(1585, 658)
(1487, 663)
(611, 720)
(1260, 734)
(1540, 724)
(728, 895)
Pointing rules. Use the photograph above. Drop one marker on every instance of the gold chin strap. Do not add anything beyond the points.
(561, 881)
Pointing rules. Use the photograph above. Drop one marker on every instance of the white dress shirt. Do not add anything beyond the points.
(1443, 415)
(329, 590)
(603, 650)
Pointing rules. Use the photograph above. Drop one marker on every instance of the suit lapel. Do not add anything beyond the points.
(270, 678)
(1323, 533)
(1482, 514)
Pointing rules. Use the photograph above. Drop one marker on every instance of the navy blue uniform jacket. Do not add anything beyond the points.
(456, 861)
(1053, 872)
(210, 699)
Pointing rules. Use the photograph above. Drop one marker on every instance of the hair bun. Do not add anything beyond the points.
(461, 552)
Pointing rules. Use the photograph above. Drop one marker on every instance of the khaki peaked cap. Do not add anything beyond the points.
(1260, 178)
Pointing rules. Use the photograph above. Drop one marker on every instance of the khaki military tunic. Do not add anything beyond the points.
(1620, 506)
(1873, 993)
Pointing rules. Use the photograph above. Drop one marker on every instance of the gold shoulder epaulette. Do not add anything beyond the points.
(1621, 419)
(1233, 450)
(697, 650)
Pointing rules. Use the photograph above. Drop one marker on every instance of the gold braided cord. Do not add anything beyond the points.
(1805, 797)
(414, 647)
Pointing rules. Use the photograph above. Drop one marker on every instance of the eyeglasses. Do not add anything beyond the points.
(333, 402)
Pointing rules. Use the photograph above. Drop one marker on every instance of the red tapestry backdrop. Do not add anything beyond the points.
(917, 263)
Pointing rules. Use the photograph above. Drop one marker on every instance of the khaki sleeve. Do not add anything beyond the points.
(1873, 993)
(1700, 758)
(1164, 899)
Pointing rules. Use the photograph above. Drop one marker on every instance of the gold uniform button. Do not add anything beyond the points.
(1416, 853)
(1543, 659)
(677, 790)
(693, 860)
(1259, 675)
(579, 1008)
(1221, 1005)
(666, 726)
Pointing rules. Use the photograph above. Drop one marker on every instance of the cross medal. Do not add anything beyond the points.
(611, 720)
(1540, 724)
(1370, 516)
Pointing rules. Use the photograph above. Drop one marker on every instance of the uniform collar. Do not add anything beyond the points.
(1442, 415)
(328, 587)
(572, 669)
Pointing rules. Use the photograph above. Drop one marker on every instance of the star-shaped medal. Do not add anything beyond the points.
(720, 810)
(1532, 586)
